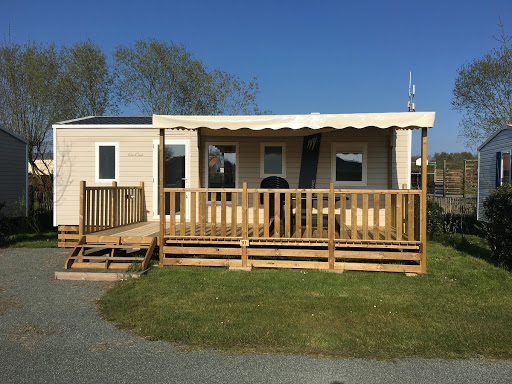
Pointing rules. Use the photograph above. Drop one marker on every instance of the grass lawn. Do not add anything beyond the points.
(461, 309)
(45, 239)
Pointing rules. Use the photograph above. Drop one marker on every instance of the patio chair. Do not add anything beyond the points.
(275, 182)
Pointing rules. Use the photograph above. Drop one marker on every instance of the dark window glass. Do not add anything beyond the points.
(349, 166)
(505, 163)
(273, 160)
(107, 159)
(221, 167)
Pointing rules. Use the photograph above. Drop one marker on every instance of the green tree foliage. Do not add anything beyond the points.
(40, 85)
(454, 157)
(164, 78)
(498, 229)
(88, 81)
(30, 77)
(483, 93)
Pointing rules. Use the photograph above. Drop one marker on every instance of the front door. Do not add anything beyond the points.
(176, 168)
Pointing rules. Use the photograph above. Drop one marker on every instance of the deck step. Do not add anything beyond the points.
(111, 244)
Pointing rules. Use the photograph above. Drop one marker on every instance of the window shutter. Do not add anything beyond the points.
(498, 169)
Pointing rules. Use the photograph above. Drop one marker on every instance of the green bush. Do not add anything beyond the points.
(498, 229)
(435, 219)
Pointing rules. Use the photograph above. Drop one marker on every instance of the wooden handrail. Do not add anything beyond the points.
(109, 207)
(275, 214)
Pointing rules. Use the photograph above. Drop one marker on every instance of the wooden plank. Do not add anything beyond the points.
(82, 209)
(298, 215)
(288, 214)
(193, 212)
(423, 204)
(234, 209)
(331, 229)
(277, 215)
(399, 219)
(282, 252)
(353, 214)
(201, 262)
(68, 228)
(343, 215)
(289, 264)
(202, 213)
(161, 193)
(183, 213)
(255, 214)
(172, 213)
(376, 216)
(266, 214)
(365, 216)
(387, 220)
(202, 251)
(358, 254)
(309, 215)
(223, 213)
(245, 222)
(320, 215)
(378, 267)
(213, 209)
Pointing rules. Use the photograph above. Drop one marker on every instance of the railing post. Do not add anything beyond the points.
(423, 205)
(245, 223)
(464, 181)
(115, 204)
(141, 202)
(331, 225)
(444, 178)
(161, 195)
(81, 216)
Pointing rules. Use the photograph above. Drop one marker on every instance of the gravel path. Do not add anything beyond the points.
(50, 333)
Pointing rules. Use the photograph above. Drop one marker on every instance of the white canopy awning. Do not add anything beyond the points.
(407, 120)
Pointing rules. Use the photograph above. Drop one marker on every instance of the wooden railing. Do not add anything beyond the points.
(305, 215)
(103, 208)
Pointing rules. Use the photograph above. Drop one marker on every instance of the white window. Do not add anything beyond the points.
(273, 159)
(349, 164)
(107, 162)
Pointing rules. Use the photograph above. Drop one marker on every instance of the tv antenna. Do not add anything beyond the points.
(410, 105)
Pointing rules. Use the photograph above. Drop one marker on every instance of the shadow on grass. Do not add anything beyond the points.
(473, 245)
(30, 240)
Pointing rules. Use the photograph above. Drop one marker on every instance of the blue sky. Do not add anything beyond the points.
(309, 56)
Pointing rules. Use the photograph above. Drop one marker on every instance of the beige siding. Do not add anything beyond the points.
(13, 175)
(378, 151)
(76, 155)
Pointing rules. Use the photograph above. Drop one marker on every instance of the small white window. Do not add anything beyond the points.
(273, 159)
(349, 164)
(107, 162)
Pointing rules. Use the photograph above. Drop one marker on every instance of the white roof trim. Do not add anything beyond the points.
(104, 126)
(409, 120)
(14, 135)
(506, 126)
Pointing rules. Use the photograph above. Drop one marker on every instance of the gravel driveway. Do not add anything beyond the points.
(50, 333)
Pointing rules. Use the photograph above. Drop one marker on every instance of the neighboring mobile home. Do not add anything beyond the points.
(494, 164)
(348, 177)
(13, 173)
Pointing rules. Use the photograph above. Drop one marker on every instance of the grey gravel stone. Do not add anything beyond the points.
(50, 333)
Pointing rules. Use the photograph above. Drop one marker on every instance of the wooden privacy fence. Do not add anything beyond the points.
(457, 179)
(307, 215)
(109, 207)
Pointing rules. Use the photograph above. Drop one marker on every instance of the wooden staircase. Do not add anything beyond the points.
(106, 252)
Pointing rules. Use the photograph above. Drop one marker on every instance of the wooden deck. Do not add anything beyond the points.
(152, 229)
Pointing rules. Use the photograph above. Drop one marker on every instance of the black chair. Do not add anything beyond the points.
(275, 182)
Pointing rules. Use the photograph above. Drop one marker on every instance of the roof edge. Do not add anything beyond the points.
(505, 127)
(15, 135)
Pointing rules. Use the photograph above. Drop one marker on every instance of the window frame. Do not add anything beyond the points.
(262, 159)
(206, 151)
(502, 168)
(99, 144)
(355, 147)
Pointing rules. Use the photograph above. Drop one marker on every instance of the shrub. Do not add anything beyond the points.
(498, 229)
(435, 219)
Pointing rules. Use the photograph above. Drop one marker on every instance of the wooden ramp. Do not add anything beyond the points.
(104, 252)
